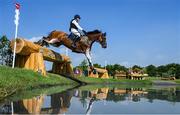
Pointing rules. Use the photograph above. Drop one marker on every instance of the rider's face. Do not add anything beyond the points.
(78, 19)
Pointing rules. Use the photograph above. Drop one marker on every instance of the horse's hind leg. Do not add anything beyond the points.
(52, 41)
(42, 42)
(39, 42)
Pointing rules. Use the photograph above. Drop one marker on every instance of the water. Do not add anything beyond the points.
(94, 100)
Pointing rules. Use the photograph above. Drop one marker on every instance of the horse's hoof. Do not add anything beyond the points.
(94, 71)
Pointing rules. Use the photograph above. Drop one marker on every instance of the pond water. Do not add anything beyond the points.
(103, 100)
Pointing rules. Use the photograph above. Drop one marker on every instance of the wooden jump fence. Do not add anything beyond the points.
(32, 56)
(100, 73)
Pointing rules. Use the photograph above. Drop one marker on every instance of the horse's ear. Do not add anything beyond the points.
(105, 34)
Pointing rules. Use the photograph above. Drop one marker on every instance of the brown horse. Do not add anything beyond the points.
(57, 38)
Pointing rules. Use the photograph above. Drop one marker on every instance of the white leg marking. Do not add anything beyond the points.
(54, 40)
(89, 56)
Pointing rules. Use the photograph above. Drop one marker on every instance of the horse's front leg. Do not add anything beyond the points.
(88, 56)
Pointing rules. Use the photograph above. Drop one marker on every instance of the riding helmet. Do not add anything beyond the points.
(77, 16)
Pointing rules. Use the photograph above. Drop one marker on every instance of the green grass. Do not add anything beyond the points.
(13, 80)
(32, 83)
(153, 78)
(160, 79)
(114, 81)
(91, 87)
(177, 81)
(28, 94)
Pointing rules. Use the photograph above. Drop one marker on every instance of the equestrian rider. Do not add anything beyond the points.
(75, 28)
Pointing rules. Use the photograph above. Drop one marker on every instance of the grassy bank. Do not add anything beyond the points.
(13, 80)
(148, 81)
(28, 94)
(177, 81)
(114, 81)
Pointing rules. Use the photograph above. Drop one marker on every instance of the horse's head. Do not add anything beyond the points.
(102, 40)
(98, 36)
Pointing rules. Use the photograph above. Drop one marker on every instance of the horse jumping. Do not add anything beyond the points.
(57, 38)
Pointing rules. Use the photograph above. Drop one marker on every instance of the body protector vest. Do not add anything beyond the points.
(72, 25)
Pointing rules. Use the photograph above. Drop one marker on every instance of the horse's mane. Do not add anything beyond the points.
(94, 32)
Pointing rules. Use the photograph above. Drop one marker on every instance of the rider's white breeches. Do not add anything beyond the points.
(74, 31)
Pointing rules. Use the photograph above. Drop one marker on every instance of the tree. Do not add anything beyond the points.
(161, 69)
(120, 67)
(172, 69)
(177, 72)
(136, 68)
(151, 70)
(168, 70)
(97, 65)
(112, 68)
(5, 51)
(83, 65)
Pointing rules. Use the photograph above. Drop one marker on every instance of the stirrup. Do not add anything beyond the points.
(73, 45)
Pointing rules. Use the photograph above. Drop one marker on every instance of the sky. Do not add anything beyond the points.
(139, 32)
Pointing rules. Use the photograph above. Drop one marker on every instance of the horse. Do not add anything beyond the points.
(84, 45)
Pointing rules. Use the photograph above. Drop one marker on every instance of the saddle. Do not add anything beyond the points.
(83, 39)
(72, 36)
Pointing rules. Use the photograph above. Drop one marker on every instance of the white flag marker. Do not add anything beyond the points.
(16, 21)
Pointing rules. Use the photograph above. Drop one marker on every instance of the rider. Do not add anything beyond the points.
(75, 28)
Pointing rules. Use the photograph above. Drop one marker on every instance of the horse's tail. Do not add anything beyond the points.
(42, 42)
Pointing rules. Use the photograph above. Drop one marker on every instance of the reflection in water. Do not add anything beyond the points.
(169, 94)
(133, 94)
(89, 107)
(60, 103)
(29, 105)
(94, 95)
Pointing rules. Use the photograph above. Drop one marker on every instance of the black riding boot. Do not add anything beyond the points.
(74, 41)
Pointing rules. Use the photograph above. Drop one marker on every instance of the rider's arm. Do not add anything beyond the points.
(77, 25)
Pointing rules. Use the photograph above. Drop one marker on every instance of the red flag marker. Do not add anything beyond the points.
(17, 6)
